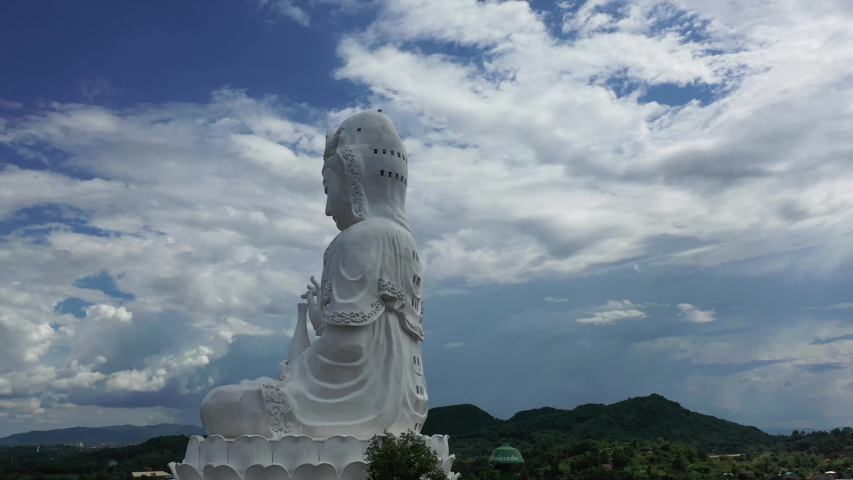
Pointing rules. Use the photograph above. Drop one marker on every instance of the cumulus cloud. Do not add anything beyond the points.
(289, 9)
(539, 151)
(824, 367)
(559, 135)
(828, 340)
(96, 88)
(195, 274)
(78, 376)
(841, 306)
(614, 311)
(693, 314)
(106, 313)
(10, 105)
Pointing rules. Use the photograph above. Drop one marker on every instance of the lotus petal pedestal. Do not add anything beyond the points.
(253, 457)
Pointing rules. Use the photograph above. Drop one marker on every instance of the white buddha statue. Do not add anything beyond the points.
(363, 374)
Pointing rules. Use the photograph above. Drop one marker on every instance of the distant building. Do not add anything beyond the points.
(647, 449)
(607, 466)
(151, 474)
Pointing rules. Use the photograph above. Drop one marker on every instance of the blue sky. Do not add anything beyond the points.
(612, 198)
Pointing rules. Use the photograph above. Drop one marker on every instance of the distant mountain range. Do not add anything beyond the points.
(636, 418)
(115, 435)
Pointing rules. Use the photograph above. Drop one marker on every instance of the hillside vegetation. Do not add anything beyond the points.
(646, 438)
(27, 462)
(114, 435)
(636, 418)
(578, 443)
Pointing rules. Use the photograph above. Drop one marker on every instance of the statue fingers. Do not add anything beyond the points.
(314, 281)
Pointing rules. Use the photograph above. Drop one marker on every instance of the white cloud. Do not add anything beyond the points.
(614, 311)
(287, 8)
(235, 326)
(595, 178)
(199, 245)
(79, 376)
(160, 417)
(137, 380)
(107, 313)
(840, 306)
(693, 314)
(556, 300)
(527, 163)
(9, 105)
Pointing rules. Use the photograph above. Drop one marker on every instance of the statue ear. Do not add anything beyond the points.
(330, 138)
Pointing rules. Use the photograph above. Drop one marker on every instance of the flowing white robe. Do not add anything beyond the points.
(364, 373)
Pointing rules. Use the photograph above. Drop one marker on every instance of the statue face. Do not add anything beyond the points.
(338, 205)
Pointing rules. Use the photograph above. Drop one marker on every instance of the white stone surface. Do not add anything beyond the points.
(364, 373)
(266, 472)
(249, 450)
(447, 463)
(193, 453)
(342, 451)
(220, 472)
(293, 451)
(293, 457)
(213, 451)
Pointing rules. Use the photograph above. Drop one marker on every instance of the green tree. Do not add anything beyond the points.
(680, 463)
(405, 458)
(620, 460)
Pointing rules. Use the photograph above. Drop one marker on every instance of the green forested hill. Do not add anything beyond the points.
(648, 418)
(20, 462)
(559, 444)
(457, 420)
(644, 438)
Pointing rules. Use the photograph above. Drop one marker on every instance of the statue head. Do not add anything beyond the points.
(365, 171)
(338, 204)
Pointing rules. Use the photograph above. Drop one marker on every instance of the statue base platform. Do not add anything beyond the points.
(254, 457)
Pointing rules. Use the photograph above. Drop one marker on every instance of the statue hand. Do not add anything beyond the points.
(313, 298)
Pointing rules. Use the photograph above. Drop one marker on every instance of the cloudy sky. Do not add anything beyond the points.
(613, 198)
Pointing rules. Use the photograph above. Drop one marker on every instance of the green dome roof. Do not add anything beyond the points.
(505, 455)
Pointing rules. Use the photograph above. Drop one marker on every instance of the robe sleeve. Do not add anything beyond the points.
(351, 278)
(371, 269)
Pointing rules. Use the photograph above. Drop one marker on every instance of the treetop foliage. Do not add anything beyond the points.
(407, 457)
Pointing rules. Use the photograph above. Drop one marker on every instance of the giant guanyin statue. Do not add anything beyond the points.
(363, 374)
